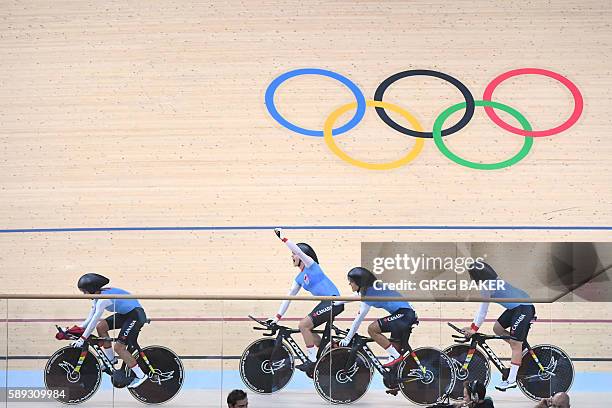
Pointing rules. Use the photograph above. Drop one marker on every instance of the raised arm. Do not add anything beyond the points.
(308, 261)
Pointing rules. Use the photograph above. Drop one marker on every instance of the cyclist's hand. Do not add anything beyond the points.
(273, 320)
(345, 342)
(79, 343)
(468, 332)
(279, 233)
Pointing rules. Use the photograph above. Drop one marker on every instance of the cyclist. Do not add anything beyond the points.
(129, 317)
(517, 317)
(401, 315)
(313, 279)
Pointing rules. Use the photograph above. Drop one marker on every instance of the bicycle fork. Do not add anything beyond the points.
(79, 364)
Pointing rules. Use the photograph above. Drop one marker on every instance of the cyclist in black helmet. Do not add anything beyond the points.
(517, 317)
(401, 314)
(129, 317)
(313, 279)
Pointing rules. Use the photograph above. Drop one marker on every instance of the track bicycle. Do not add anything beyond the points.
(545, 369)
(343, 374)
(267, 364)
(78, 371)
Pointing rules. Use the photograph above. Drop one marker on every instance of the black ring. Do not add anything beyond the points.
(467, 95)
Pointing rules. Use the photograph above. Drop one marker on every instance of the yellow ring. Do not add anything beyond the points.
(329, 140)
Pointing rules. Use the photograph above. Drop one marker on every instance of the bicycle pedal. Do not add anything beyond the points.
(393, 391)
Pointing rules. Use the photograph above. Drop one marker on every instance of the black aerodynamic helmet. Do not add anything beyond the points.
(307, 249)
(92, 282)
(362, 277)
(482, 271)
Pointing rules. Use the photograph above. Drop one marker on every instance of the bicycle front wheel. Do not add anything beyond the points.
(165, 372)
(557, 376)
(478, 368)
(72, 387)
(265, 368)
(341, 378)
(428, 382)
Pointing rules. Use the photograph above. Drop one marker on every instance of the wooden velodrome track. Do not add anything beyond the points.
(131, 114)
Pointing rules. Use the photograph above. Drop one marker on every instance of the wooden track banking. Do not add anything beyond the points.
(132, 114)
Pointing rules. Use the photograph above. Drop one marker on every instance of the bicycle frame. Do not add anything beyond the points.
(285, 334)
(360, 343)
(479, 340)
(93, 344)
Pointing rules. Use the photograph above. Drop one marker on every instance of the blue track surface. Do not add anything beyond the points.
(229, 379)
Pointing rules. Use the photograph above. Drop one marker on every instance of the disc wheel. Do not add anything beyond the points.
(264, 368)
(478, 369)
(429, 386)
(340, 378)
(166, 378)
(72, 387)
(558, 374)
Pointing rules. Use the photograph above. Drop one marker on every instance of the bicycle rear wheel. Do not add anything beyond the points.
(340, 378)
(427, 387)
(558, 374)
(72, 387)
(478, 369)
(264, 368)
(166, 379)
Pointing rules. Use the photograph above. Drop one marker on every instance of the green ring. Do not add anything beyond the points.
(437, 136)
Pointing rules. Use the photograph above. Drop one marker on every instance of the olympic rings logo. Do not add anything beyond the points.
(417, 131)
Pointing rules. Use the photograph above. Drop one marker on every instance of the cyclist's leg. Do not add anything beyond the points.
(503, 322)
(500, 328)
(403, 329)
(335, 311)
(396, 324)
(519, 328)
(103, 327)
(306, 327)
(128, 336)
(318, 316)
(375, 332)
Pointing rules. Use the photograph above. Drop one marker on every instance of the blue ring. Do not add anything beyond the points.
(359, 113)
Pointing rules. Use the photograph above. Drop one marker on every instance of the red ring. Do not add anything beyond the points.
(578, 102)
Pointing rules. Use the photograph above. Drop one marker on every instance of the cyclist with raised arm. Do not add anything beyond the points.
(312, 278)
(401, 314)
(517, 317)
(129, 317)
